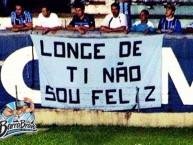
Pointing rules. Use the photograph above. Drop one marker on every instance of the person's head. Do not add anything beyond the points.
(21, 105)
(45, 11)
(19, 9)
(144, 15)
(170, 10)
(115, 9)
(79, 9)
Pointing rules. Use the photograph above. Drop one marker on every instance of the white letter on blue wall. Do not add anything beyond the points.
(12, 74)
(170, 66)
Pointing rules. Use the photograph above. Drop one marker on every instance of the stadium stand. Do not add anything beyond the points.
(100, 8)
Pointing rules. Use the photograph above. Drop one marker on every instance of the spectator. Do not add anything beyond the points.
(47, 21)
(125, 8)
(115, 22)
(169, 24)
(81, 21)
(143, 25)
(21, 19)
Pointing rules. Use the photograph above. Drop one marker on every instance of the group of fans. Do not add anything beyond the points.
(116, 21)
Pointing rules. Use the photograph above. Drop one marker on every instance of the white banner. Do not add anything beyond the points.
(100, 73)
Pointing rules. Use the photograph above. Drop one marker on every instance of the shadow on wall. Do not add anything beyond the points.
(58, 6)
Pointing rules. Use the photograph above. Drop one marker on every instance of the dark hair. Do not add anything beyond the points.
(170, 6)
(115, 5)
(79, 5)
(47, 6)
(145, 11)
(19, 3)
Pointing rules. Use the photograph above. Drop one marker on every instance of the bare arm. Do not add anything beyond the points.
(18, 26)
(107, 29)
(87, 28)
(47, 29)
(55, 28)
(158, 31)
(119, 29)
(80, 29)
(32, 107)
(39, 28)
(70, 27)
(27, 26)
(9, 112)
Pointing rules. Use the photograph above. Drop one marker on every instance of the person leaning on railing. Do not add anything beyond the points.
(144, 25)
(169, 23)
(116, 21)
(47, 21)
(21, 19)
(81, 21)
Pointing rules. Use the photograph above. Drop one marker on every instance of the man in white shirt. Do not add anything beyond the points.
(116, 21)
(47, 21)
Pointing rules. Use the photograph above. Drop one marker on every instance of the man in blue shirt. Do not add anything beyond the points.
(21, 19)
(143, 25)
(81, 22)
(169, 24)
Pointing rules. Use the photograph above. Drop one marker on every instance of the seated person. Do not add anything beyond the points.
(169, 24)
(143, 25)
(81, 21)
(115, 22)
(47, 21)
(21, 19)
